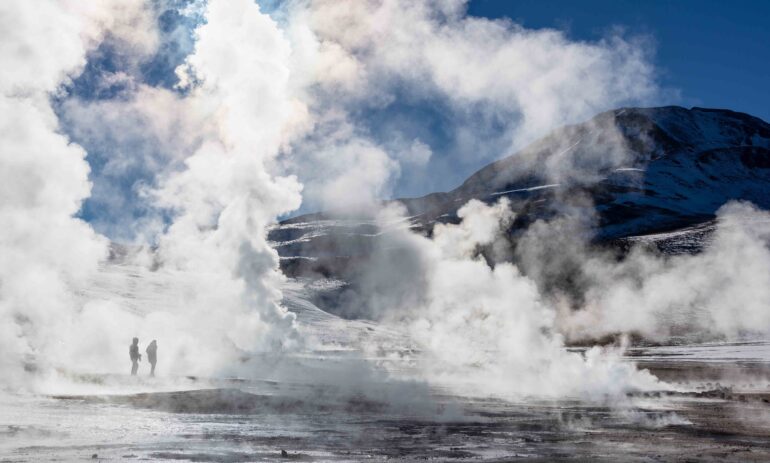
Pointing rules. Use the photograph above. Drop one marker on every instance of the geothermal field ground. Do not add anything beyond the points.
(716, 410)
(713, 405)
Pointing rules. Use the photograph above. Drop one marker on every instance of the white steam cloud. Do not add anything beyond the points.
(354, 56)
(266, 106)
(486, 329)
(722, 292)
(43, 177)
(225, 197)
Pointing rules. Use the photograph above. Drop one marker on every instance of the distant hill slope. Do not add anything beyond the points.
(643, 170)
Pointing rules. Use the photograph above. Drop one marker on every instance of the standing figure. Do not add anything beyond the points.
(133, 352)
(152, 356)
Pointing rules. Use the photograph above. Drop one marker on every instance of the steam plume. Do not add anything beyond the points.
(44, 178)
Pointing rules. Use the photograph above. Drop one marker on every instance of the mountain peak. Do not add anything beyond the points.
(632, 171)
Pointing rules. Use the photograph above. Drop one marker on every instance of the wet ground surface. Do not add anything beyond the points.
(721, 413)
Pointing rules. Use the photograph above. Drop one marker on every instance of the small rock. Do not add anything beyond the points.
(284, 454)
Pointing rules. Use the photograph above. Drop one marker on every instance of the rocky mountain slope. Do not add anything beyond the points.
(650, 175)
(642, 170)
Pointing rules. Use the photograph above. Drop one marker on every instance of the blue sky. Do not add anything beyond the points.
(716, 53)
(707, 53)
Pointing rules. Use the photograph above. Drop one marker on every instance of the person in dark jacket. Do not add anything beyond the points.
(152, 356)
(133, 352)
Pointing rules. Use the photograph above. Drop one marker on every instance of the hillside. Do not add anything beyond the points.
(638, 174)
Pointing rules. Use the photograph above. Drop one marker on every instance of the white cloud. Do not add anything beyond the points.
(225, 196)
(722, 291)
(44, 177)
(351, 56)
(260, 99)
(484, 329)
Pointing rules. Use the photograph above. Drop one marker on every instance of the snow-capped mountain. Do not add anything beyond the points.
(655, 176)
(655, 172)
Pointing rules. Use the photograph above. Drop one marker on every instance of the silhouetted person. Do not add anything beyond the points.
(152, 356)
(133, 352)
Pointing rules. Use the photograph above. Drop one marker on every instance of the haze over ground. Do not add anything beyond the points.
(148, 150)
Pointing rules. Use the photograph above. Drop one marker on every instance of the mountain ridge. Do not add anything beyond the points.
(640, 170)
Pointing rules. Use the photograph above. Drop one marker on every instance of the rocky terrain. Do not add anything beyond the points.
(653, 176)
